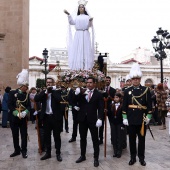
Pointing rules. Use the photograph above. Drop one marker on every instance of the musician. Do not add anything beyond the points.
(128, 83)
(109, 94)
(126, 130)
(64, 106)
(51, 117)
(75, 111)
(136, 111)
(19, 106)
(89, 117)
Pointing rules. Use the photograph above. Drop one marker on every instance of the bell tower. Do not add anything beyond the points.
(14, 40)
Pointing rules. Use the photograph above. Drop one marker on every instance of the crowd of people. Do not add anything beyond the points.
(129, 111)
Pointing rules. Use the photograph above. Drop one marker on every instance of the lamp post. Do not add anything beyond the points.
(160, 43)
(45, 55)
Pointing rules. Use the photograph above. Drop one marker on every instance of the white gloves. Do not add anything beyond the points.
(23, 114)
(168, 114)
(146, 120)
(35, 113)
(86, 92)
(99, 123)
(76, 108)
(50, 87)
(125, 122)
(77, 91)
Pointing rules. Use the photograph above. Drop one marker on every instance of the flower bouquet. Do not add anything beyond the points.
(79, 77)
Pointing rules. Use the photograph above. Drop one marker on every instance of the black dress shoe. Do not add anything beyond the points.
(72, 140)
(118, 155)
(46, 156)
(96, 162)
(100, 142)
(81, 159)
(114, 155)
(132, 161)
(142, 162)
(15, 154)
(24, 155)
(59, 158)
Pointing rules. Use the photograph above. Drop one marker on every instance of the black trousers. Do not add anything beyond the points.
(32, 117)
(75, 123)
(65, 115)
(51, 124)
(116, 135)
(83, 129)
(134, 131)
(20, 125)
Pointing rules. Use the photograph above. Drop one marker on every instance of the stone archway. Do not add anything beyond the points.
(148, 82)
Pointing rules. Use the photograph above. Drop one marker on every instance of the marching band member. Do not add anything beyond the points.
(136, 111)
(51, 116)
(19, 106)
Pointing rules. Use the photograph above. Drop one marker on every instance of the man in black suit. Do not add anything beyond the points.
(109, 94)
(64, 106)
(51, 116)
(75, 110)
(89, 117)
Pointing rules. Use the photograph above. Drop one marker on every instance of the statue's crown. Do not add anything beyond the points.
(82, 2)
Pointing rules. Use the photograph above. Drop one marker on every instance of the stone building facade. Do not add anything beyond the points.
(14, 40)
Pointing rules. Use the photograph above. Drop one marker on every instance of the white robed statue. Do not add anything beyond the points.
(81, 47)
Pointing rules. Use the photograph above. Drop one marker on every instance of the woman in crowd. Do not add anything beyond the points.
(161, 97)
(5, 107)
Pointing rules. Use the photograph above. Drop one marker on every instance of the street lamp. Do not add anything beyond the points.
(45, 55)
(160, 43)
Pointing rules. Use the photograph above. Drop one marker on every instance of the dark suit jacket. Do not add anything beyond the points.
(116, 115)
(12, 103)
(135, 116)
(71, 98)
(93, 109)
(110, 95)
(55, 103)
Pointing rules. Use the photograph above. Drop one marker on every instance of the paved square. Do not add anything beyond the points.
(157, 153)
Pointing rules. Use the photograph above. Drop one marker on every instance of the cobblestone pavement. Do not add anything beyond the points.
(157, 153)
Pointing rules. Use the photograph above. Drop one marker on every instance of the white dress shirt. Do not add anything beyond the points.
(48, 105)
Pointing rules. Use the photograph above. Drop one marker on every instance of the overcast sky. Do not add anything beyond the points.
(120, 25)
